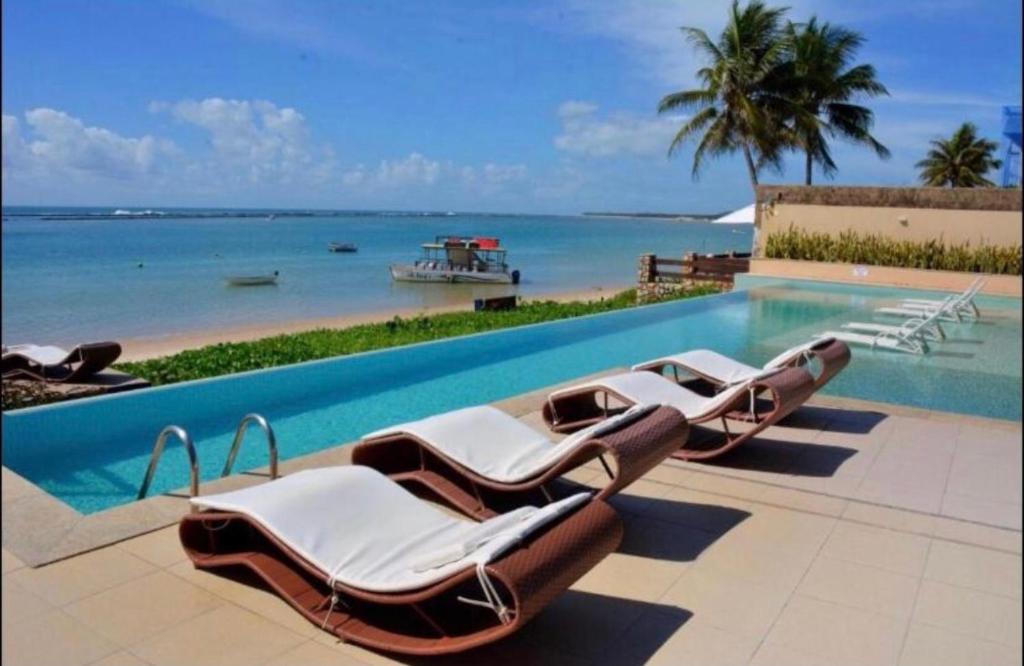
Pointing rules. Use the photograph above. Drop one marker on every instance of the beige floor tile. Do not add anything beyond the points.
(985, 477)
(755, 561)
(741, 606)
(632, 577)
(120, 659)
(978, 568)
(799, 500)
(19, 604)
(10, 561)
(999, 514)
(78, 577)
(251, 595)
(651, 641)
(931, 646)
(997, 538)
(133, 611)
(896, 519)
(637, 497)
(669, 472)
(585, 625)
(225, 636)
(860, 586)
(312, 653)
(888, 549)
(889, 493)
(982, 441)
(718, 483)
(53, 638)
(162, 547)
(781, 655)
(700, 510)
(797, 531)
(978, 614)
(844, 636)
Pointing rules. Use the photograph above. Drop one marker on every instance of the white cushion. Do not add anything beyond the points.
(496, 445)
(43, 355)
(365, 531)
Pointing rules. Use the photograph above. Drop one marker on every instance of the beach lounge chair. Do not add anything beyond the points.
(366, 560)
(956, 307)
(480, 460)
(717, 371)
(54, 364)
(909, 337)
(768, 397)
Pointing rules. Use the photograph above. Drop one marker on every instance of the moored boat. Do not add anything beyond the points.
(342, 247)
(252, 280)
(458, 260)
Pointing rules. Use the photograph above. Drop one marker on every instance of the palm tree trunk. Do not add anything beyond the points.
(751, 169)
(808, 169)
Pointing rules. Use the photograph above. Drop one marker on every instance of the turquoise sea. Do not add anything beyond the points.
(73, 274)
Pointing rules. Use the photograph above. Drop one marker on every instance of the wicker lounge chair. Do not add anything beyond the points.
(54, 364)
(480, 460)
(365, 560)
(767, 398)
(716, 371)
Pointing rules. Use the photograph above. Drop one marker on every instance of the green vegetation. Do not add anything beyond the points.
(769, 87)
(960, 161)
(876, 250)
(226, 358)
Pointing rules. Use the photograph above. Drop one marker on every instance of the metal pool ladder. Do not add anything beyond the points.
(158, 450)
(243, 426)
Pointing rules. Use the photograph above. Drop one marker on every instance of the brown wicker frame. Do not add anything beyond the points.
(429, 621)
(785, 390)
(90, 359)
(833, 355)
(636, 448)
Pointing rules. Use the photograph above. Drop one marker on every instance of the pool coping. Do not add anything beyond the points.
(39, 528)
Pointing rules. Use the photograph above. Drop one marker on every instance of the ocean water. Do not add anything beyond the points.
(73, 275)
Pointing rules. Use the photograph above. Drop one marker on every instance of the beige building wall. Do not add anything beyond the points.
(979, 216)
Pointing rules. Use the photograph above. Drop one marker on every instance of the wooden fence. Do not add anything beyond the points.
(693, 268)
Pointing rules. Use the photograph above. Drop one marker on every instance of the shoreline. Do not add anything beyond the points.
(147, 347)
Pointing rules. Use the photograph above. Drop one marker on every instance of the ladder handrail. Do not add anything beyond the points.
(243, 426)
(158, 451)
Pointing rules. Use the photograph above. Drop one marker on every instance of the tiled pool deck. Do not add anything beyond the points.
(856, 534)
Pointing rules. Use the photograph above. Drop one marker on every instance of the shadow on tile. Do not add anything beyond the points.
(680, 532)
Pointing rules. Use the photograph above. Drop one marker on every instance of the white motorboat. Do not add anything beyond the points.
(458, 260)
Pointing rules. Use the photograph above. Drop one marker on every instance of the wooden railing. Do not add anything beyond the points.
(693, 267)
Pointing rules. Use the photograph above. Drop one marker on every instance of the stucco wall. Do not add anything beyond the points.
(979, 216)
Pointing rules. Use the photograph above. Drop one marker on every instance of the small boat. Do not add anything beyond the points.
(252, 280)
(342, 247)
(458, 260)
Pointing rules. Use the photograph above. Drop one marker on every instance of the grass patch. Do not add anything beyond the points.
(850, 247)
(227, 358)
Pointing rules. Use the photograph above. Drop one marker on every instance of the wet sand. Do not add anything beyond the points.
(137, 349)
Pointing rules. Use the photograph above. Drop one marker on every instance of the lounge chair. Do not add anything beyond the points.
(366, 560)
(480, 460)
(956, 307)
(570, 409)
(718, 371)
(909, 337)
(54, 364)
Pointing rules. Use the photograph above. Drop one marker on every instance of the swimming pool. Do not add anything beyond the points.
(92, 453)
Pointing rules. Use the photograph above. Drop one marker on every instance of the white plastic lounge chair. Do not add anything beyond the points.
(955, 307)
(365, 559)
(908, 337)
(932, 332)
(480, 459)
(722, 371)
(570, 409)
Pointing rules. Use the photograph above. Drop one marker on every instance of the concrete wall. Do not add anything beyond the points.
(979, 216)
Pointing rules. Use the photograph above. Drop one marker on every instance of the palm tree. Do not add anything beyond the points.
(735, 107)
(960, 161)
(820, 85)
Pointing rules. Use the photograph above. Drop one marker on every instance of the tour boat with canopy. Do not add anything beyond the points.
(458, 259)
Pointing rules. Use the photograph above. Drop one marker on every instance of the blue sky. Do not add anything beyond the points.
(459, 105)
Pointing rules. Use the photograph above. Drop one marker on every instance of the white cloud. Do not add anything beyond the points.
(585, 133)
(418, 171)
(255, 141)
(59, 145)
(933, 98)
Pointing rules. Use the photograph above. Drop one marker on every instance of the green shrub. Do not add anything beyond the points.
(226, 358)
(850, 247)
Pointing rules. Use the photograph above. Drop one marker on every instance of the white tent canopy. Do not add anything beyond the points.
(741, 216)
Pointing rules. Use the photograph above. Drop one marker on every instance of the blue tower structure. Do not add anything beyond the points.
(1011, 131)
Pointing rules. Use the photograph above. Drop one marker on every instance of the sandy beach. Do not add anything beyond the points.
(137, 349)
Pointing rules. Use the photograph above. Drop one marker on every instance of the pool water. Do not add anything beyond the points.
(92, 453)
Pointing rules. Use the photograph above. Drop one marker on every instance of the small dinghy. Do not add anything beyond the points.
(252, 280)
(342, 247)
